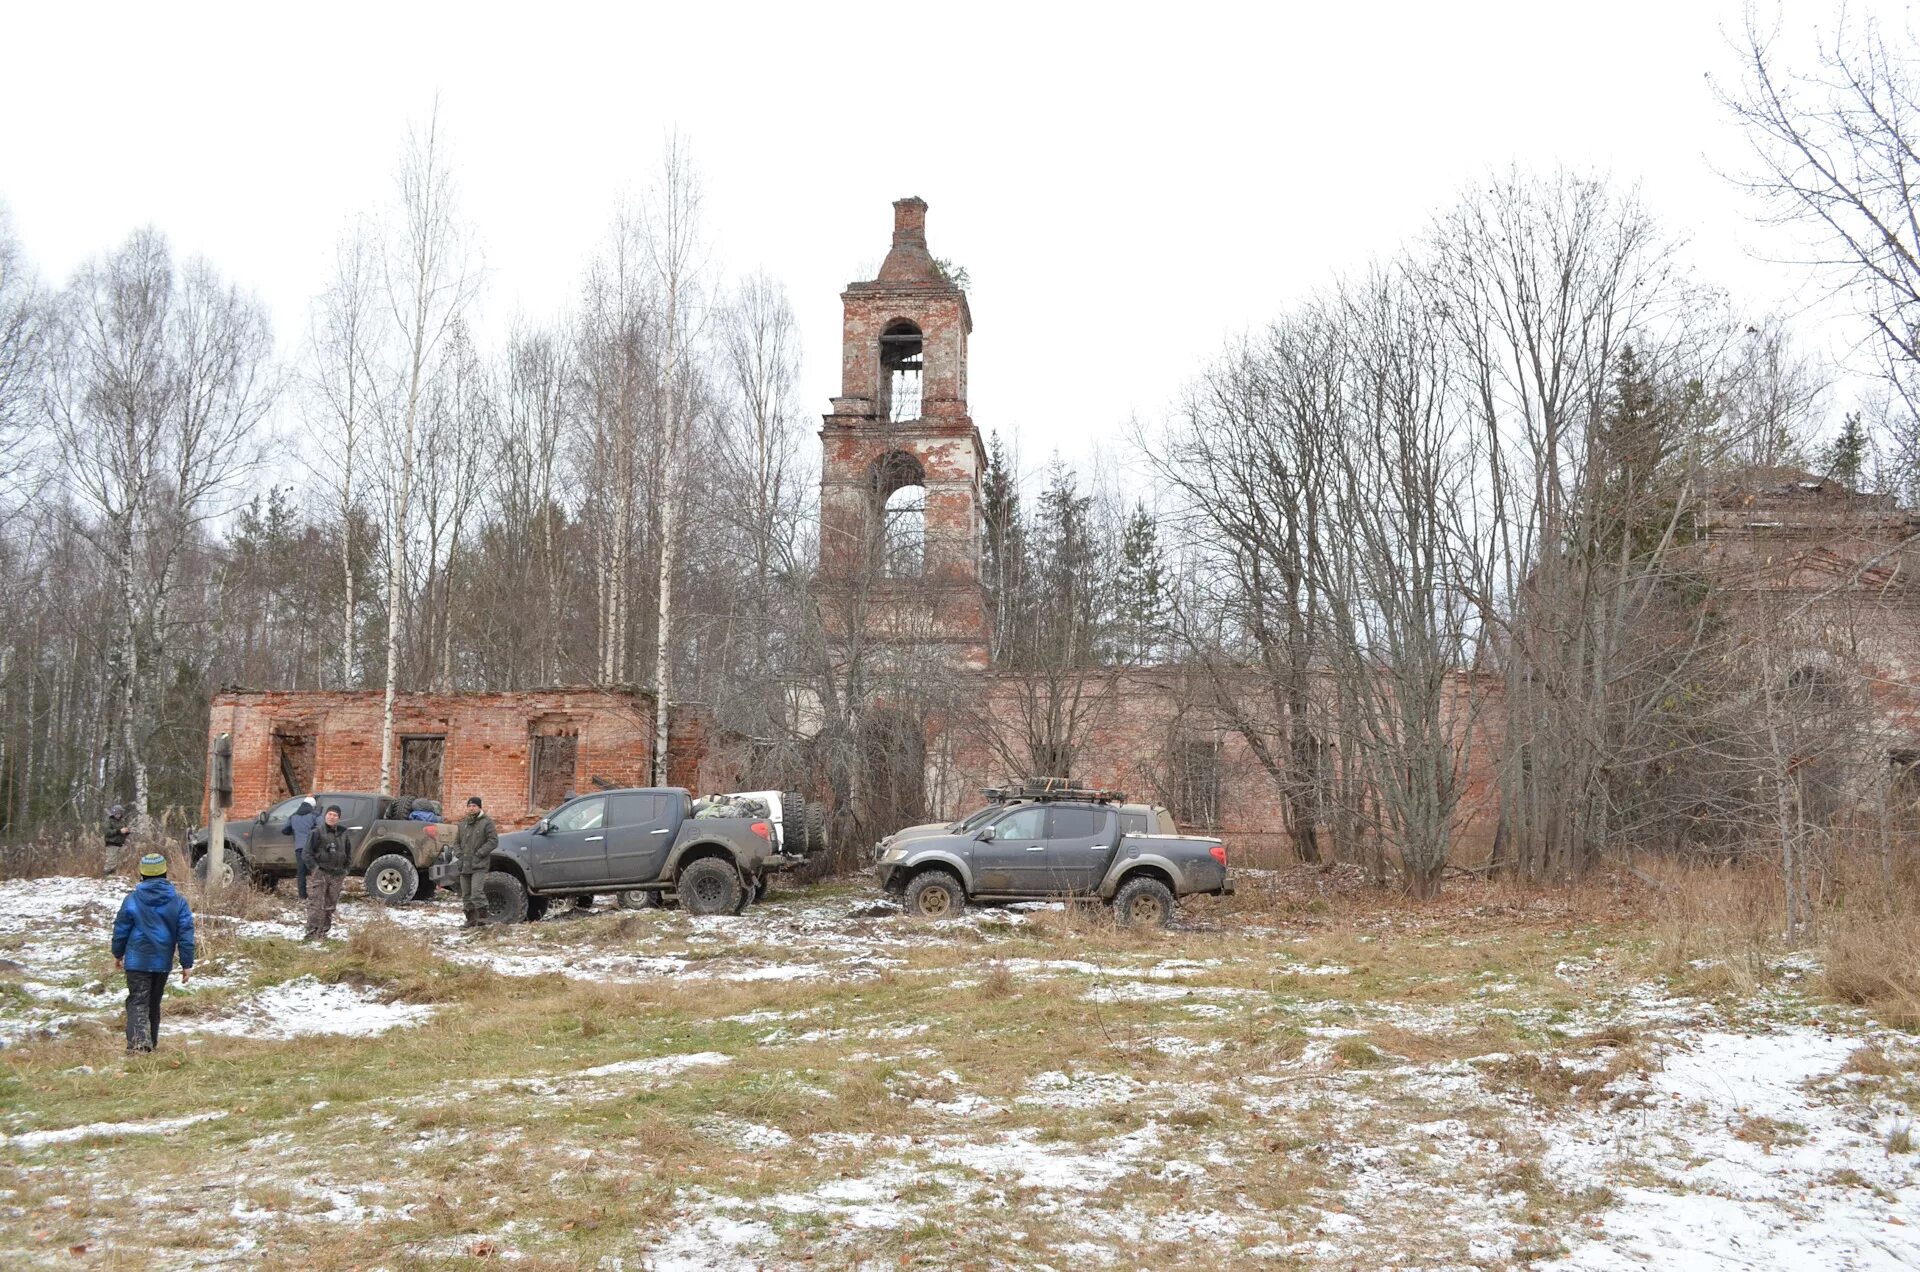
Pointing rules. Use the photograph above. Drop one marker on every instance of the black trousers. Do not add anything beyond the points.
(143, 1008)
(300, 872)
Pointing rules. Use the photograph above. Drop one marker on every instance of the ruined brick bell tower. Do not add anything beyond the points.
(900, 508)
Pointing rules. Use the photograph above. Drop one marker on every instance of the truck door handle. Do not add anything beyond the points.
(594, 838)
(661, 831)
(1037, 848)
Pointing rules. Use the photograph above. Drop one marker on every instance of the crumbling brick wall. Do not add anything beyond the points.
(487, 747)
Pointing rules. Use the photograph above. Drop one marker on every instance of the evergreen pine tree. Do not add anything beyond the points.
(1005, 549)
(1139, 599)
(1845, 458)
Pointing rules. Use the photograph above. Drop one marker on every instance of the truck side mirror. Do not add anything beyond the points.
(261, 818)
(542, 827)
(986, 835)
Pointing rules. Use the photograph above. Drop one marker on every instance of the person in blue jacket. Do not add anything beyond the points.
(153, 922)
(300, 826)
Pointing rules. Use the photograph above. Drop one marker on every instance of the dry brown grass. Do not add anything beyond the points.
(1873, 1061)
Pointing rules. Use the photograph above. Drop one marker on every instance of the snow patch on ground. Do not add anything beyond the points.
(657, 1066)
(1753, 1168)
(306, 1007)
(98, 1130)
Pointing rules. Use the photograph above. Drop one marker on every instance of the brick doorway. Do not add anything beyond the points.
(554, 758)
(293, 762)
(420, 766)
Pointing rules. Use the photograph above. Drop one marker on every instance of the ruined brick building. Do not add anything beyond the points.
(901, 577)
(1828, 573)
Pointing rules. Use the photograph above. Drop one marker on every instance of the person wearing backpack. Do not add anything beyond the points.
(327, 855)
(153, 922)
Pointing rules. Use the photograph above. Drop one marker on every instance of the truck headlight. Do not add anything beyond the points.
(893, 854)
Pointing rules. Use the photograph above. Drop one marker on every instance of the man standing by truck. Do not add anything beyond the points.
(328, 853)
(474, 843)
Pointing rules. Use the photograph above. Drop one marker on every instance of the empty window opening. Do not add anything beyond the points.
(902, 366)
(904, 552)
(899, 515)
(1196, 782)
(420, 766)
(553, 762)
(293, 762)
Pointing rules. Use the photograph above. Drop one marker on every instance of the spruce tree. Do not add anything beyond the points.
(1845, 458)
(1139, 598)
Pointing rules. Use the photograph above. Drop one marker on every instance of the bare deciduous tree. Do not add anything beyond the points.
(1837, 150)
(428, 278)
(673, 238)
(158, 382)
(343, 379)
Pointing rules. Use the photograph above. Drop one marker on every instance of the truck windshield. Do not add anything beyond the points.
(975, 820)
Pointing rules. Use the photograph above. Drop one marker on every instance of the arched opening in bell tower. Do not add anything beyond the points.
(900, 515)
(902, 371)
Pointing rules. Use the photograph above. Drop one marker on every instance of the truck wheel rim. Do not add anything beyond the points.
(1145, 909)
(387, 882)
(710, 889)
(935, 902)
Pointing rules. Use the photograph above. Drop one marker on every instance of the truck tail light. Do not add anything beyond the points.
(1219, 852)
(763, 830)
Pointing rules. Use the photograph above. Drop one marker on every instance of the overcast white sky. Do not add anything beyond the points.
(1128, 184)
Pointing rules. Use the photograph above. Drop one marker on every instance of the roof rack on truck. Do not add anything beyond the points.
(1050, 788)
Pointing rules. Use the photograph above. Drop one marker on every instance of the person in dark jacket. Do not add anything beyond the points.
(328, 853)
(117, 831)
(474, 843)
(301, 826)
(153, 922)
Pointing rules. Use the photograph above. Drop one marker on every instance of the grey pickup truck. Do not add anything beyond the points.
(1066, 844)
(634, 840)
(1135, 819)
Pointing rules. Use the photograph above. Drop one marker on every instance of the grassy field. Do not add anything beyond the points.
(1308, 1075)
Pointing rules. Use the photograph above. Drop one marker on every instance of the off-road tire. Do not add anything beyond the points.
(756, 889)
(816, 828)
(583, 903)
(639, 899)
(233, 864)
(710, 886)
(506, 897)
(1143, 901)
(935, 894)
(391, 878)
(793, 823)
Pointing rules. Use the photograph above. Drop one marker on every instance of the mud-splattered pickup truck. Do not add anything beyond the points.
(1061, 844)
(645, 840)
(392, 853)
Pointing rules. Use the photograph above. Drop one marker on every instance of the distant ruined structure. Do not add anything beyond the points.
(1833, 572)
(1826, 581)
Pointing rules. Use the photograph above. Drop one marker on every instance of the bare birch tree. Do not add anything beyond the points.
(158, 382)
(616, 361)
(344, 383)
(428, 278)
(673, 237)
